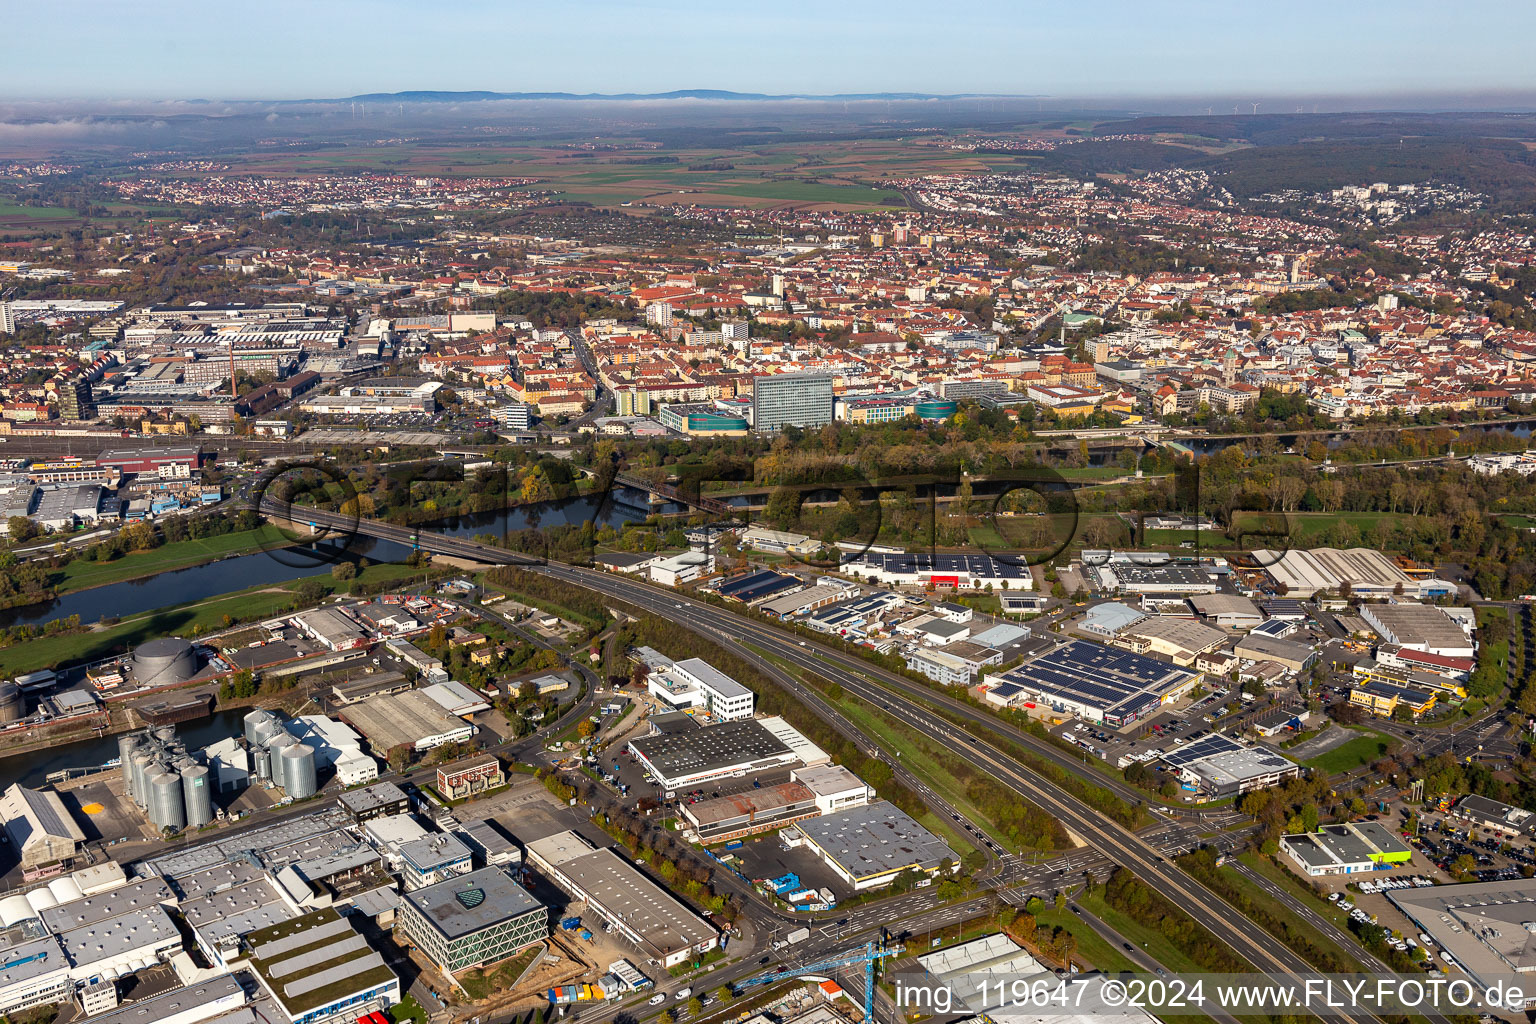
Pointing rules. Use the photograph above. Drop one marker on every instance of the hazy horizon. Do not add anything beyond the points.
(1189, 56)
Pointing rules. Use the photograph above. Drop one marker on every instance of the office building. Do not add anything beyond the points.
(1346, 849)
(480, 918)
(791, 400)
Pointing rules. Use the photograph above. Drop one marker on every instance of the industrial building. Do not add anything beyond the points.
(869, 846)
(1178, 639)
(318, 968)
(1483, 926)
(1384, 699)
(1493, 816)
(755, 810)
(958, 571)
(1364, 572)
(1228, 611)
(1126, 577)
(1419, 627)
(473, 920)
(1346, 849)
(1094, 682)
(39, 829)
(411, 718)
(1292, 656)
(374, 801)
(1220, 766)
(694, 754)
(644, 913)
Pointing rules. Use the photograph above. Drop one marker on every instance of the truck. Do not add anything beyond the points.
(802, 896)
(798, 935)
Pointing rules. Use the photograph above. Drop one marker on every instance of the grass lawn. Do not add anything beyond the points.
(920, 765)
(499, 977)
(10, 211)
(1098, 951)
(1299, 926)
(82, 574)
(1156, 944)
(918, 759)
(407, 1009)
(1355, 753)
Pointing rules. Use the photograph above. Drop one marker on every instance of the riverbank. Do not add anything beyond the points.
(190, 619)
(84, 574)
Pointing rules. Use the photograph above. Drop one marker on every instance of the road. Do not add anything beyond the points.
(1093, 828)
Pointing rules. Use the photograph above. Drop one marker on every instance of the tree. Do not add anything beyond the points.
(399, 757)
(585, 728)
(21, 529)
(1061, 899)
(695, 1006)
(343, 571)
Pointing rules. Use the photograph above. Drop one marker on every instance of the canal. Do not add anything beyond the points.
(33, 767)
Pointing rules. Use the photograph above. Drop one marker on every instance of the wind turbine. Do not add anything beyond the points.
(1234, 108)
(1255, 108)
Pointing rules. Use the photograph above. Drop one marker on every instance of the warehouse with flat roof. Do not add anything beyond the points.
(1101, 684)
(690, 756)
(1346, 849)
(869, 846)
(644, 913)
(1482, 925)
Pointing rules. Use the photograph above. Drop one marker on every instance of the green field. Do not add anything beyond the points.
(1356, 753)
(82, 574)
(10, 211)
(1098, 951)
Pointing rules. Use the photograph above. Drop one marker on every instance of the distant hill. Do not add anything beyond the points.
(475, 96)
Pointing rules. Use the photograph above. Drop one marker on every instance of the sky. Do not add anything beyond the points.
(1470, 52)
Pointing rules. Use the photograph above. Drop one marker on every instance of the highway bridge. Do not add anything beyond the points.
(911, 703)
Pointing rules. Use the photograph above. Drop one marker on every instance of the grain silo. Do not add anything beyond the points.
(260, 726)
(143, 762)
(127, 747)
(298, 762)
(261, 761)
(197, 793)
(167, 809)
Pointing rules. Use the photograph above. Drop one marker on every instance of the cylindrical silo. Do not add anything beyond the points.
(261, 761)
(12, 704)
(127, 746)
(299, 771)
(166, 807)
(166, 735)
(258, 726)
(197, 792)
(143, 762)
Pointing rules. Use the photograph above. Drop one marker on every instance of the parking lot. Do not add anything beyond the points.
(1445, 841)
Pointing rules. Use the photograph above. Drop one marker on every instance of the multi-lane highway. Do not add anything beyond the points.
(1118, 844)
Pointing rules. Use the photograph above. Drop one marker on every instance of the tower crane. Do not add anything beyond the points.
(871, 953)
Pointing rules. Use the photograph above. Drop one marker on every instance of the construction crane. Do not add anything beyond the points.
(872, 953)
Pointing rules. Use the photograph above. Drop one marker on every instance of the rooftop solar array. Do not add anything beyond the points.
(947, 565)
(1115, 681)
(1204, 747)
(756, 586)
